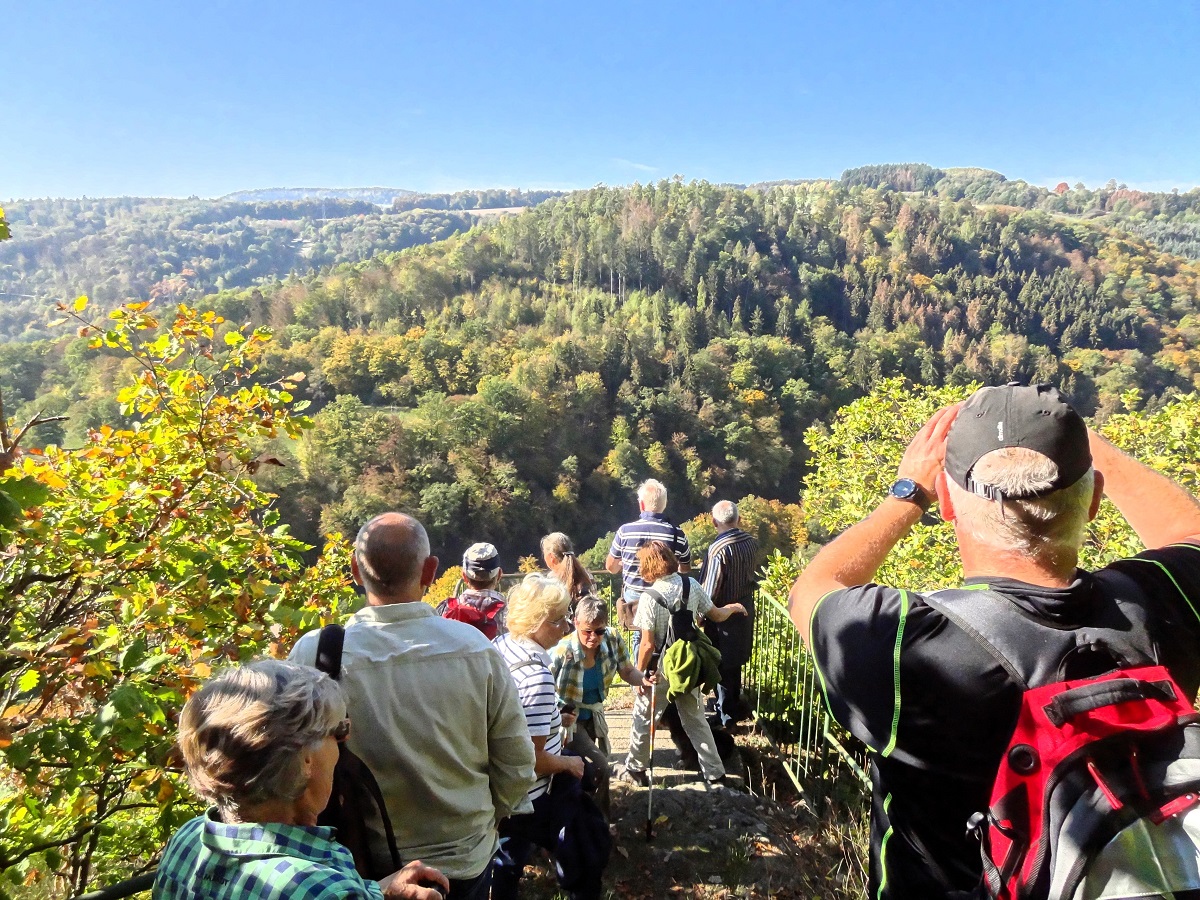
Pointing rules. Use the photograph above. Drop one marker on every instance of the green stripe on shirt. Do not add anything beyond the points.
(891, 744)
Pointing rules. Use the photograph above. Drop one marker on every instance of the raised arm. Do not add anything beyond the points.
(854, 556)
(1161, 511)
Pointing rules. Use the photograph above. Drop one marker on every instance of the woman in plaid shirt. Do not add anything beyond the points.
(260, 742)
(584, 666)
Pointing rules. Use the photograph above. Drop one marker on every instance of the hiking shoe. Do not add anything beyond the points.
(635, 776)
(716, 784)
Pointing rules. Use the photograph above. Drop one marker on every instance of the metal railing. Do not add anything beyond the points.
(817, 754)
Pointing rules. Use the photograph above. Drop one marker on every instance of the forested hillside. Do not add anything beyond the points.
(130, 248)
(525, 375)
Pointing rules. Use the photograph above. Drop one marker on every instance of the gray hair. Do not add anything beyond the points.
(725, 513)
(557, 544)
(244, 734)
(1049, 527)
(591, 608)
(653, 495)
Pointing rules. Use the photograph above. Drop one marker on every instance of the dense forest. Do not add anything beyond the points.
(524, 375)
(131, 248)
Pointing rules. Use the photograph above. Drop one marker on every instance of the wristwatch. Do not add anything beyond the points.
(907, 489)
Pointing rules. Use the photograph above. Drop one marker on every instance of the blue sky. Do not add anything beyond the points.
(177, 99)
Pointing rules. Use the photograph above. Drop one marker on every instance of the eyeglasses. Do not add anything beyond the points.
(563, 622)
(593, 632)
(341, 731)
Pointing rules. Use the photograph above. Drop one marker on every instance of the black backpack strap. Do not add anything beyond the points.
(658, 598)
(980, 613)
(330, 644)
(373, 786)
(687, 588)
(329, 650)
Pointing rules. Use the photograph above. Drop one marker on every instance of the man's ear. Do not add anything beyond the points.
(1097, 495)
(429, 571)
(945, 503)
(355, 571)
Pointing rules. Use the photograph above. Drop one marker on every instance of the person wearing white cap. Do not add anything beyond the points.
(480, 604)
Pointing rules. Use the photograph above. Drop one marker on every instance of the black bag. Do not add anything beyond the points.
(355, 790)
(682, 626)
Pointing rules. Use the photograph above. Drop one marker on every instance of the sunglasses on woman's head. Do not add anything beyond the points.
(341, 731)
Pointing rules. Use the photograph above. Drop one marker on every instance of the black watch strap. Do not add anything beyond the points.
(908, 490)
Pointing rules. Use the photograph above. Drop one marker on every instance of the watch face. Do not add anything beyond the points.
(904, 489)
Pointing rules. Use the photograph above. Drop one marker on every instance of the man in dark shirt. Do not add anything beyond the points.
(728, 576)
(1012, 469)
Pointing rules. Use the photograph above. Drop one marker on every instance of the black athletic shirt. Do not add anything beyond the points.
(937, 711)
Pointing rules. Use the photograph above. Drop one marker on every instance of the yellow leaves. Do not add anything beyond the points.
(201, 669)
(166, 790)
(80, 303)
(52, 479)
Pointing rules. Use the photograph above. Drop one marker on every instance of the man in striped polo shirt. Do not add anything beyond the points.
(651, 525)
(728, 576)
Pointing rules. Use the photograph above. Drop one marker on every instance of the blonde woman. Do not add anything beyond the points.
(260, 743)
(538, 620)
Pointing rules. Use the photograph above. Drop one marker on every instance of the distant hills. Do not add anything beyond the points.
(380, 196)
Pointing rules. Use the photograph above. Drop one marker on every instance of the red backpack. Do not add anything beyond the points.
(485, 619)
(1097, 796)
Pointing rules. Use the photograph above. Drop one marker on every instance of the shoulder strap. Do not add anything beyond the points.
(687, 588)
(977, 619)
(329, 650)
(658, 598)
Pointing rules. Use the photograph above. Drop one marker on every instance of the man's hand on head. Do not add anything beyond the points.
(925, 456)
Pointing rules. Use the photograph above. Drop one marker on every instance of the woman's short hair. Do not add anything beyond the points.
(537, 599)
(656, 560)
(557, 544)
(589, 609)
(245, 732)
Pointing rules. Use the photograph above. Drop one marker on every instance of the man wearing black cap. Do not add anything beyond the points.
(1018, 473)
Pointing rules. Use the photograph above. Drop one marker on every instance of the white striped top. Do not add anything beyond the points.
(530, 668)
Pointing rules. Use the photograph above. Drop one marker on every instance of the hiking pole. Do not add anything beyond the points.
(650, 768)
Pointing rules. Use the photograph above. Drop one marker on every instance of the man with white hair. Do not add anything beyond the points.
(651, 525)
(728, 576)
(1012, 469)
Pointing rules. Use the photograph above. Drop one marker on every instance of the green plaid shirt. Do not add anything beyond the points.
(209, 860)
(566, 662)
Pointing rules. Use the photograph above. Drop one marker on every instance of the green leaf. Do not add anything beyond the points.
(29, 680)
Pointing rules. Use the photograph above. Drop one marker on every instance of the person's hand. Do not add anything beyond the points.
(736, 608)
(575, 765)
(925, 455)
(406, 884)
(568, 718)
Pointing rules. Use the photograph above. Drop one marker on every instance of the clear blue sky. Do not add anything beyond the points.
(175, 99)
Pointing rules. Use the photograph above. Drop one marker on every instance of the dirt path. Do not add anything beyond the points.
(758, 840)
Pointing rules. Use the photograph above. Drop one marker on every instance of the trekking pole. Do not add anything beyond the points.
(650, 768)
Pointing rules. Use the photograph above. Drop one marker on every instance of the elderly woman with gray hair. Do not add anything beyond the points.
(260, 743)
(584, 667)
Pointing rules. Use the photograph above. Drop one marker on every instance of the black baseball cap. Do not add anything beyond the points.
(1034, 416)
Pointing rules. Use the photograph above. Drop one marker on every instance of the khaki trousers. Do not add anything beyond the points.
(691, 714)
